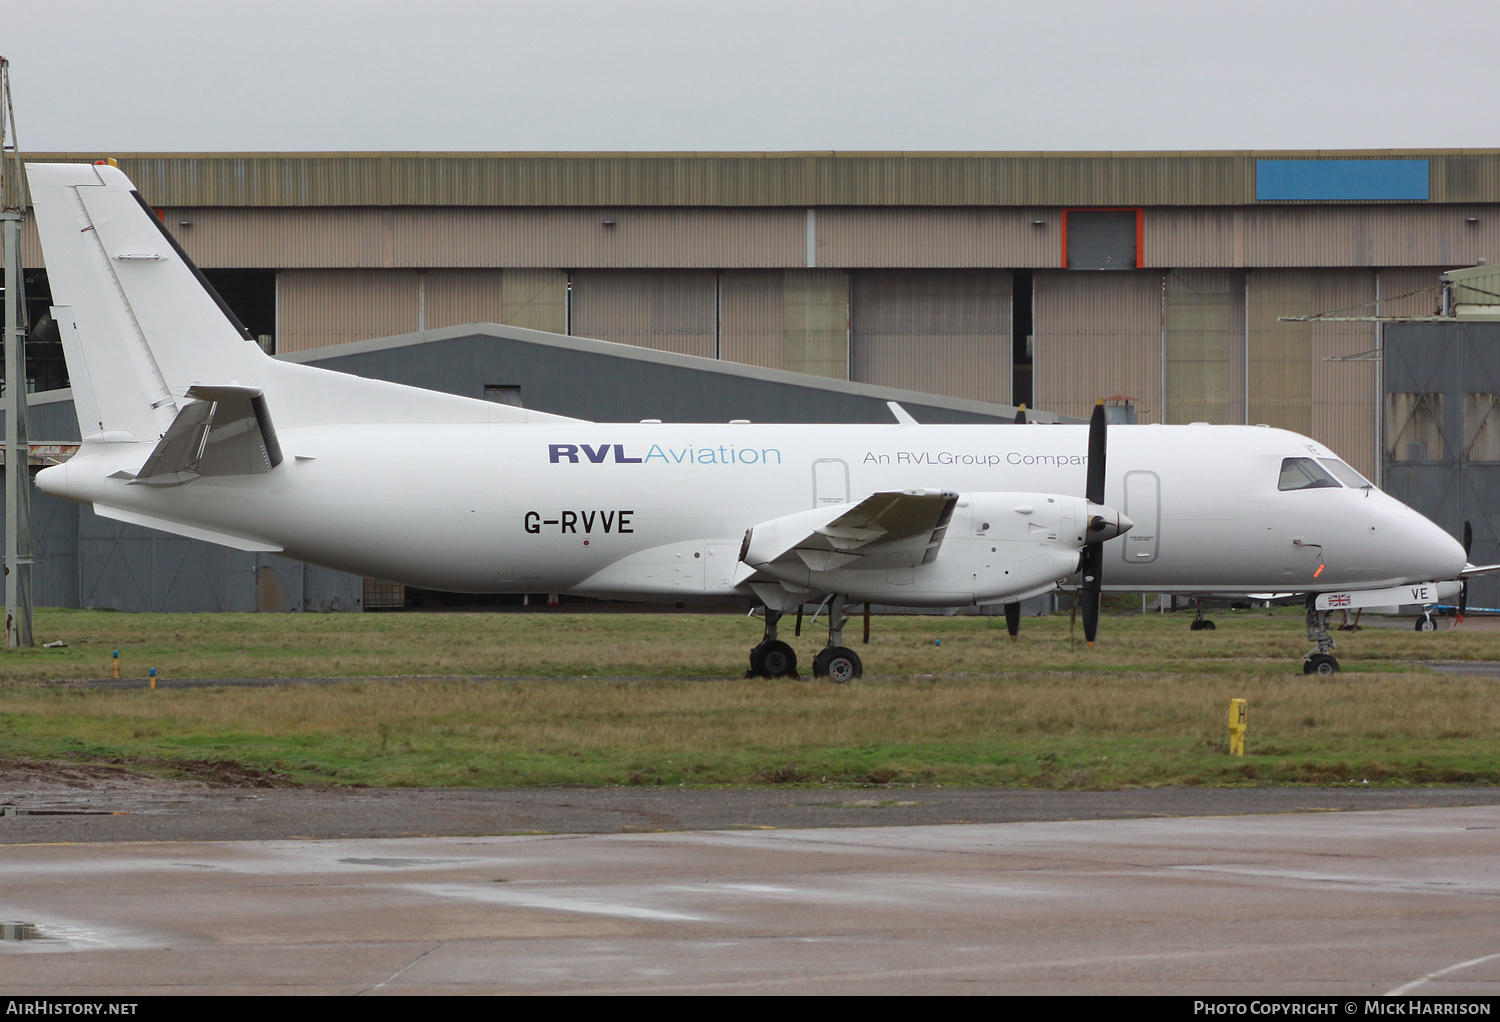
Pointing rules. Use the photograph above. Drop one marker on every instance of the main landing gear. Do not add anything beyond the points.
(837, 662)
(772, 658)
(1320, 660)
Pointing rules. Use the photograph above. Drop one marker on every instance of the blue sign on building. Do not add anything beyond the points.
(1341, 180)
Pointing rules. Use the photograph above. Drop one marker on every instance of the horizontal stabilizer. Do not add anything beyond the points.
(225, 431)
(238, 542)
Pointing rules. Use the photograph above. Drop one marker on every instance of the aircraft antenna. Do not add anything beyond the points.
(17, 436)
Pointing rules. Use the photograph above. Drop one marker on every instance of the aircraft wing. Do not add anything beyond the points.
(225, 431)
(885, 530)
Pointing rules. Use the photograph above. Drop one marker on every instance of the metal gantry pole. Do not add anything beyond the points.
(17, 436)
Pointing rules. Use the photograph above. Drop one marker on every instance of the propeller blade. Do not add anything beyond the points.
(1020, 418)
(1463, 593)
(1095, 489)
(1093, 555)
(1013, 620)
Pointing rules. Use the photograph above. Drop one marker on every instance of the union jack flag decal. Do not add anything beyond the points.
(1339, 600)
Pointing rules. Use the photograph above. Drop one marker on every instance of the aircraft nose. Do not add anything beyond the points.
(1106, 523)
(1432, 552)
(1450, 552)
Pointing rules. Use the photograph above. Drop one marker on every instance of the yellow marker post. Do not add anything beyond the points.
(1237, 724)
(117, 663)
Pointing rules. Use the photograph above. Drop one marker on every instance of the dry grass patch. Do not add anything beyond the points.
(1048, 729)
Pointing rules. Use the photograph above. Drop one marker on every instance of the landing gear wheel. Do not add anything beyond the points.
(1321, 664)
(1425, 623)
(838, 664)
(1202, 625)
(773, 659)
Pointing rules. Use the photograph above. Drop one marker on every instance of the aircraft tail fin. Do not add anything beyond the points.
(140, 325)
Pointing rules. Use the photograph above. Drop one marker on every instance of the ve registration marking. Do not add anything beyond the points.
(586, 522)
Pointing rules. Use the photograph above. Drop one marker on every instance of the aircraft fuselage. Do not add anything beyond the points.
(659, 511)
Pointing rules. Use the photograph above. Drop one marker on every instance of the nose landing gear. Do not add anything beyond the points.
(1201, 623)
(1321, 660)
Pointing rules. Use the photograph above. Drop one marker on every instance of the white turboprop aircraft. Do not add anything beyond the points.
(190, 428)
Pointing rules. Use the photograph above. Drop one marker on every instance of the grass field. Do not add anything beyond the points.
(622, 700)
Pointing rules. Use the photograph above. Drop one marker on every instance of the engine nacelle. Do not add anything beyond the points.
(996, 545)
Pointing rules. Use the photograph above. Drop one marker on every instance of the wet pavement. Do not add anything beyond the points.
(1347, 904)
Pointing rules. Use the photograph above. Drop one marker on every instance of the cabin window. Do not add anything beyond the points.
(1304, 474)
(1345, 474)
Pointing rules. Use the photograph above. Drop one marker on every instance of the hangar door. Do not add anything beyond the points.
(937, 331)
(1442, 433)
(1097, 335)
(669, 310)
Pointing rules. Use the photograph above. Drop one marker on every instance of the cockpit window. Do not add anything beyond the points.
(1304, 474)
(1345, 474)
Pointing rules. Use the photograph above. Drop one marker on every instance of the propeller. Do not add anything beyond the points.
(1092, 562)
(1463, 593)
(1013, 610)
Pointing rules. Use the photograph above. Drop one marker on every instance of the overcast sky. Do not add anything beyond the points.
(103, 76)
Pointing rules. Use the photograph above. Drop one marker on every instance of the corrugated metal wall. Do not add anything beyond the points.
(535, 299)
(1373, 236)
(320, 307)
(1204, 346)
(1290, 383)
(938, 331)
(1279, 355)
(1344, 398)
(1321, 235)
(1423, 280)
(628, 238)
(752, 317)
(317, 238)
(662, 309)
(1097, 334)
(1441, 374)
(932, 238)
(815, 318)
(456, 297)
(747, 179)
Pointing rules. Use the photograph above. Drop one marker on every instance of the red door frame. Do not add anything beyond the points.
(1140, 228)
